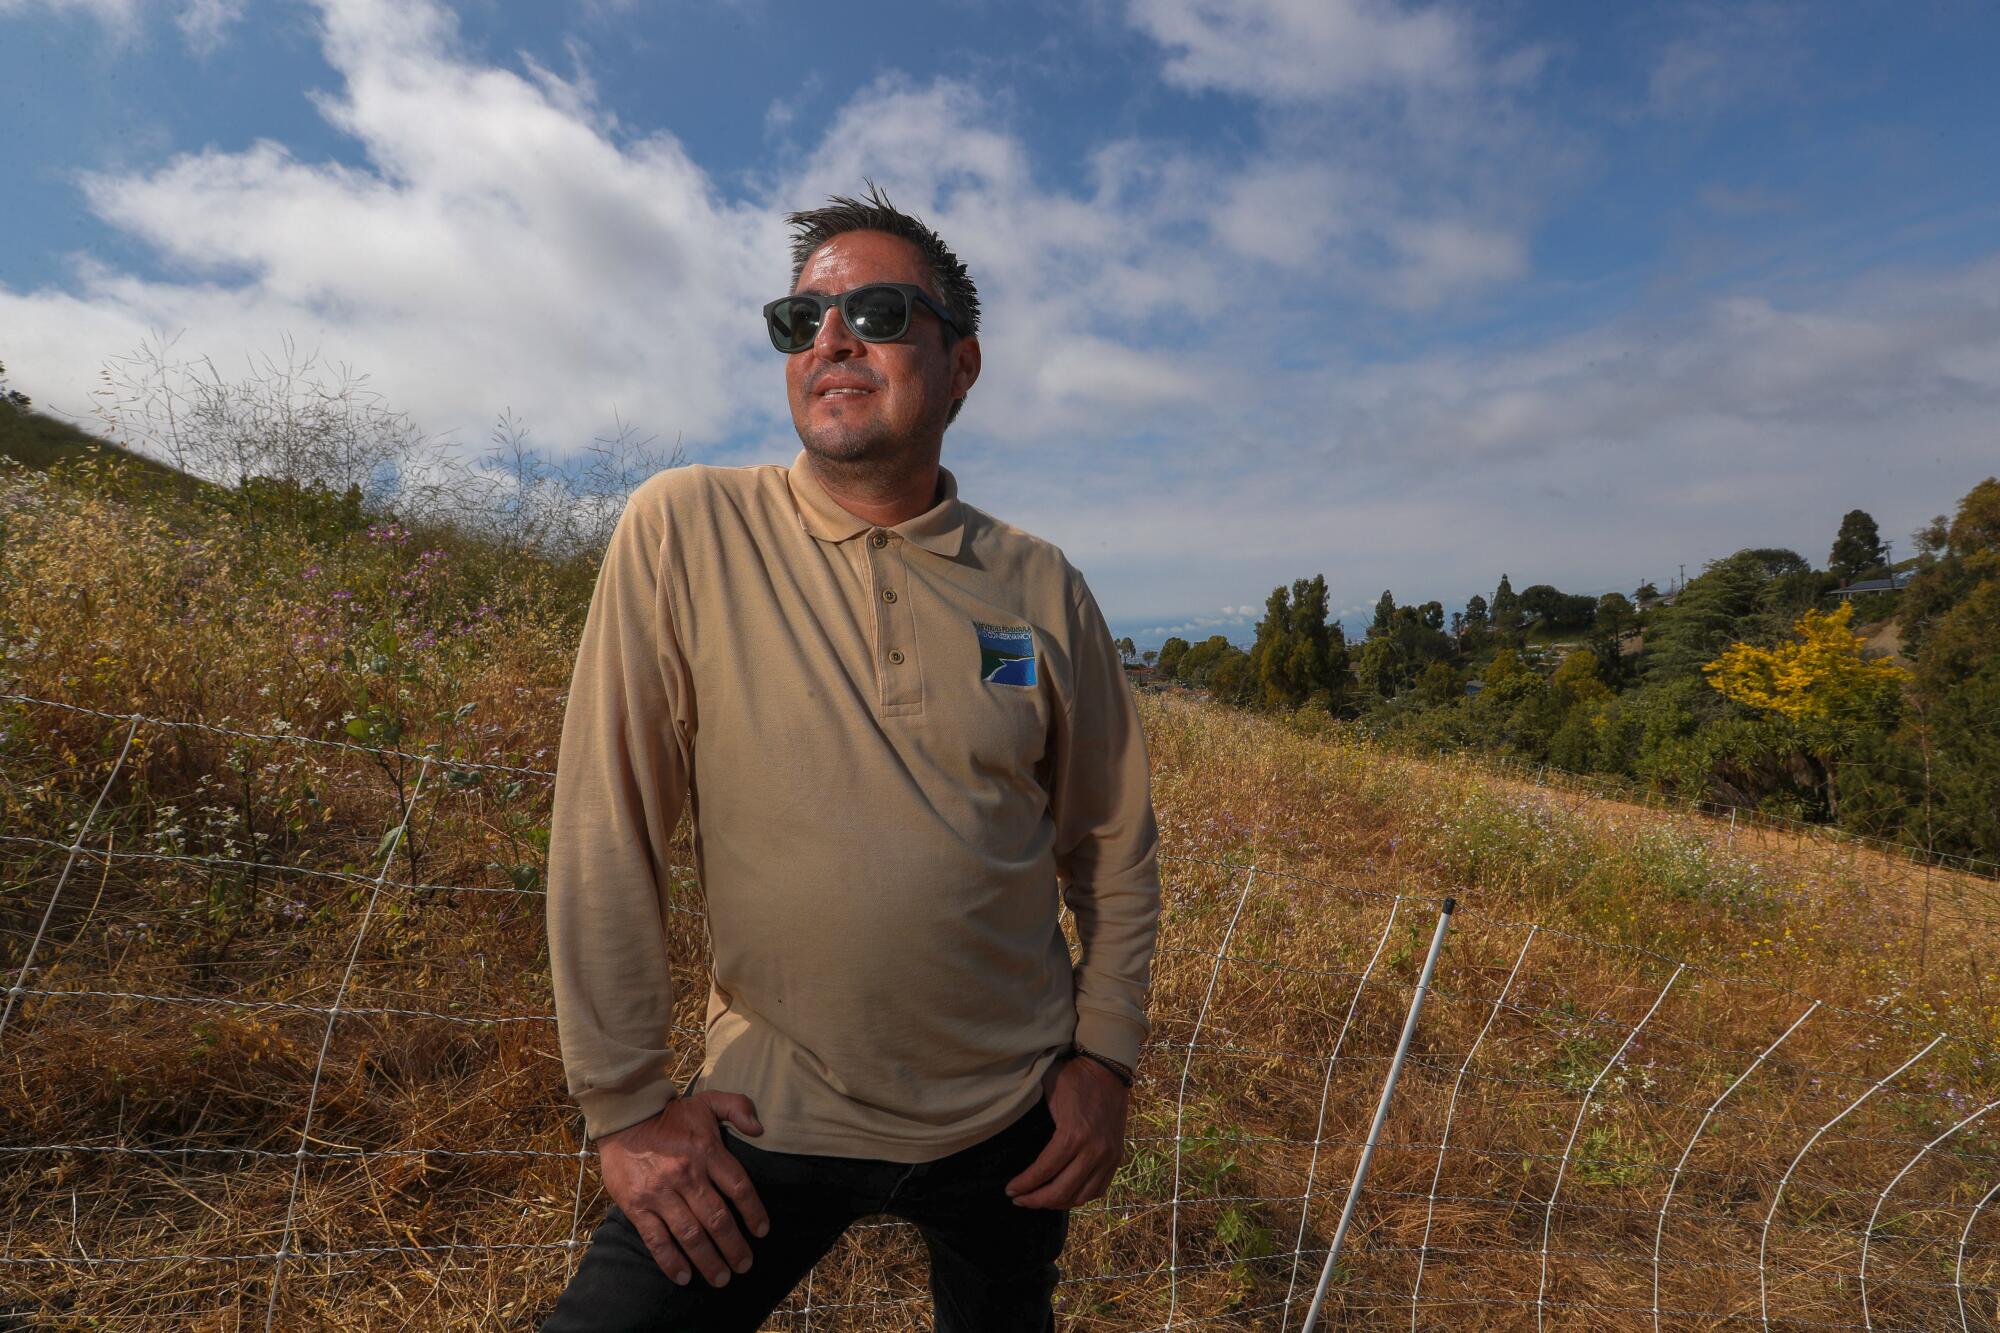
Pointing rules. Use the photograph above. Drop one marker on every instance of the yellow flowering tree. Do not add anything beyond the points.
(1820, 683)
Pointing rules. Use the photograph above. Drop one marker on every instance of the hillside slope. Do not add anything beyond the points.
(37, 440)
(217, 925)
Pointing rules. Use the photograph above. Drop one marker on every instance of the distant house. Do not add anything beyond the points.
(1894, 583)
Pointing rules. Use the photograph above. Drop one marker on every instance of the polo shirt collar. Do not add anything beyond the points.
(939, 529)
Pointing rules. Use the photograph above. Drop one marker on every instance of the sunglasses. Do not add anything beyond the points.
(876, 313)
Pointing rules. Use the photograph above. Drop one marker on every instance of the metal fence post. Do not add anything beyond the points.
(1381, 1114)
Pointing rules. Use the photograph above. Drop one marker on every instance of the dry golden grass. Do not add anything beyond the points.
(427, 1122)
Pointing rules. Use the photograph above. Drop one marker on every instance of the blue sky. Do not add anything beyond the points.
(1404, 294)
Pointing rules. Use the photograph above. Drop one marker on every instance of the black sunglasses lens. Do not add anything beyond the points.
(794, 324)
(876, 314)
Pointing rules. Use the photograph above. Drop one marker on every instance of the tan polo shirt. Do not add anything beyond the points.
(899, 743)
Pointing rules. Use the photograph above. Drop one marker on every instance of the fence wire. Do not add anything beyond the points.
(280, 1078)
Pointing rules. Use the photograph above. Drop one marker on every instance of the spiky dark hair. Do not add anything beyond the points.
(814, 227)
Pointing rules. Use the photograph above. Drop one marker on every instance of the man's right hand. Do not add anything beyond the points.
(670, 1175)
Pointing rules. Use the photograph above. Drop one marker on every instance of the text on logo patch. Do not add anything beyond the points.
(1006, 654)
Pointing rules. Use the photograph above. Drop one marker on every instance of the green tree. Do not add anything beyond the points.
(1385, 611)
(1507, 678)
(1611, 626)
(1271, 653)
(1934, 782)
(1574, 745)
(1718, 607)
(1171, 653)
(13, 397)
(1200, 661)
(1858, 548)
(1320, 661)
(1965, 640)
(1308, 642)
(1791, 588)
(1231, 680)
(1976, 527)
(1615, 616)
(1579, 698)
(1776, 562)
(1299, 657)
(1956, 555)
(1438, 685)
(1506, 611)
(1961, 799)
(1516, 709)
(1933, 538)
(1576, 679)
(1557, 610)
(1339, 670)
(1375, 667)
(1127, 650)
(1390, 661)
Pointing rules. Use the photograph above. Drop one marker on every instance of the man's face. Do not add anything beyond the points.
(904, 388)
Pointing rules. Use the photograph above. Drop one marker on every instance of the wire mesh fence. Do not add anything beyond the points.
(264, 1070)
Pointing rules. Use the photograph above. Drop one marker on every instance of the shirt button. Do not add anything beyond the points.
(879, 540)
(895, 657)
(888, 594)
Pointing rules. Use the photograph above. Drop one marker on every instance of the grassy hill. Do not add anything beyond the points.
(38, 440)
(1641, 1020)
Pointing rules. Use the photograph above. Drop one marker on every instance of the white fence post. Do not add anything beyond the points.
(1381, 1114)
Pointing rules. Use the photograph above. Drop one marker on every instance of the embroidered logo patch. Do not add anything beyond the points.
(1006, 654)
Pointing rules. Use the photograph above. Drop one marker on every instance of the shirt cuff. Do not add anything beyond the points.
(1108, 1034)
(610, 1110)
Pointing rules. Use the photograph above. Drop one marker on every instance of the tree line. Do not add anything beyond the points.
(1751, 685)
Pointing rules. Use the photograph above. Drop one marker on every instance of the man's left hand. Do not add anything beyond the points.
(1089, 1105)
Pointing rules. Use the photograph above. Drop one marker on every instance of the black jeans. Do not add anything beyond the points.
(993, 1262)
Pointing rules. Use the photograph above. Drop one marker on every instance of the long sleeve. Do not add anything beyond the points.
(621, 780)
(1106, 840)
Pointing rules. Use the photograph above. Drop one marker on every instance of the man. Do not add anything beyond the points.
(904, 728)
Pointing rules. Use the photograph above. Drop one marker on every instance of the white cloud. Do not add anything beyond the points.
(1230, 618)
(1403, 156)
(497, 250)
(203, 23)
(1729, 53)
(501, 247)
(783, 112)
(1169, 386)
(1284, 213)
(1307, 49)
(119, 17)
(1839, 365)
(1442, 256)
(1590, 460)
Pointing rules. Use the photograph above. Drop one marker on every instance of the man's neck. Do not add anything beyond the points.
(882, 498)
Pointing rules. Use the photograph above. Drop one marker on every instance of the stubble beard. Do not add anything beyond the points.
(867, 457)
(843, 445)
